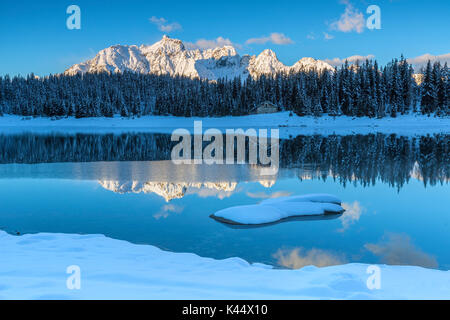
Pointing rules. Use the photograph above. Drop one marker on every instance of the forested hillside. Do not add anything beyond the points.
(352, 90)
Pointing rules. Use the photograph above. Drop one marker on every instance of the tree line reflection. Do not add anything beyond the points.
(358, 159)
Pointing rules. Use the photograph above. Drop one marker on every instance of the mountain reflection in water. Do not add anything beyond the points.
(362, 159)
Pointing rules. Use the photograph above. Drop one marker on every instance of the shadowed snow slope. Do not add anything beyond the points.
(273, 210)
(34, 267)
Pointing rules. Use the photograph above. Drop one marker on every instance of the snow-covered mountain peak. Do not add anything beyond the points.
(310, 64)
(227, 50)
(307, 60)
(117, 58)
(220, 52)
(266, 63)
(268, 53)
(165, 46)
(170, 56)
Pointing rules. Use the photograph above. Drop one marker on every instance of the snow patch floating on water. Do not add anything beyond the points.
(34, 267)
(273, 210)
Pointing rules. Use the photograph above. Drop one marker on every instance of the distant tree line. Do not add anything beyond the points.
(352, 90)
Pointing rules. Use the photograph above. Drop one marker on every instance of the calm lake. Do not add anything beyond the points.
(394, 189)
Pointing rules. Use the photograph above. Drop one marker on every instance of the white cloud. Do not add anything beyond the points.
(327, 36)
(351, 215)
(311, 36)
(351, 20)
(397, 249)
(275, 38)
(210, 44)
(298, 258)
(421, 61)
(166, 210)
(352, 59)
(164, 25)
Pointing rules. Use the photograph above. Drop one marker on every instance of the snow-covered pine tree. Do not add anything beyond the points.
(428, 89)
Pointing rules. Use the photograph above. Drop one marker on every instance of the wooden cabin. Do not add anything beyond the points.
(266, 107)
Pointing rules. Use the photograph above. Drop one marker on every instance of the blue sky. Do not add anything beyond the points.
(34, 36)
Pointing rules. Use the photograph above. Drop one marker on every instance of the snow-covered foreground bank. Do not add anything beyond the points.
(34, 267)
(404, 125)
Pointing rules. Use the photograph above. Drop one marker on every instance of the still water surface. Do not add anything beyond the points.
(394, 189)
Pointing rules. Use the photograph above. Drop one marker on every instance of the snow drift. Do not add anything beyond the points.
(273, 210)
(34, 267)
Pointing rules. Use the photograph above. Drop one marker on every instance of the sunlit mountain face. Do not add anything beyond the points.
(171, 57)
(170, 190)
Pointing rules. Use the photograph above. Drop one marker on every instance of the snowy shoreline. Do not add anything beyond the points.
(34, 267)
(407, 125)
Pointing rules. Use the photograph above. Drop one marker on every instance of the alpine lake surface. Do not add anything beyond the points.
(125, 186)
